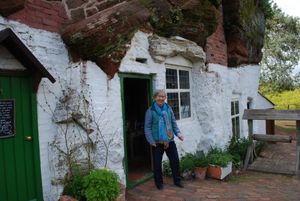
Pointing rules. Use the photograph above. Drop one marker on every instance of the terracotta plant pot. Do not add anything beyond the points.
(200, 172)
(218, 172)
(67, 198)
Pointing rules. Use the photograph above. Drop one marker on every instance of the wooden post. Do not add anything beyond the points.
(250, 147)
(270, 127)
(298, 147)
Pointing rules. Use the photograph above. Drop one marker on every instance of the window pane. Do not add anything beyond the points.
(232, 108)
(184, 80)
(174, 103)
(236, 127)
(171, 79)
(237, 122)
(236, 107)
(185, 105)
(233, 127)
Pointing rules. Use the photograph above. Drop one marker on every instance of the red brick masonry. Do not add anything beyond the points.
(42, 15)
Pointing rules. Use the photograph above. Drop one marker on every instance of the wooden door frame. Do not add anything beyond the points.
(122, 76)
(36, 147)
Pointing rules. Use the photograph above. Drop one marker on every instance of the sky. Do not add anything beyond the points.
(290, 7)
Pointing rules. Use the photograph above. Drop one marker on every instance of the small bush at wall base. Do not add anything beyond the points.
(74, 184)
(238, 149)
(101, 185)
(187, 163)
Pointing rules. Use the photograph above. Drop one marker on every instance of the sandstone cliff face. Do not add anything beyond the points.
(99, 30)
(8, 7)
(102, 37)
(244, 26)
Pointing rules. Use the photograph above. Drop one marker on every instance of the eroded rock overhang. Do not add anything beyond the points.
(100, 30)
(103, 36)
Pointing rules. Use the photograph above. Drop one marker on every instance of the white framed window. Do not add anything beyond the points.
(235, 118)
(178, 89)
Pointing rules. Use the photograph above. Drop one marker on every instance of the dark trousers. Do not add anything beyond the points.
(157, 153)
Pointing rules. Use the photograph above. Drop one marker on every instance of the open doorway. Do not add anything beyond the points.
(136, 101)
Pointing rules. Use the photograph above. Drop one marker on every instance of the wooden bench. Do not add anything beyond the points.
(272, 138)
(270, 114)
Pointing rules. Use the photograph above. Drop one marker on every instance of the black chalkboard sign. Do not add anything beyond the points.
(7, 118)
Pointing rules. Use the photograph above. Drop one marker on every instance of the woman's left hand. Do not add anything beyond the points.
(181, 137)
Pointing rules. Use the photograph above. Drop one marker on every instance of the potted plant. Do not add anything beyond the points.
(220, 164)
(187, 165)
(201, 165)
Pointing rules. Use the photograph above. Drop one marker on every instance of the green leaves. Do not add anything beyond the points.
(286, 99)
(217, 156)
(101, 185)
(281, 52)
(98, 185)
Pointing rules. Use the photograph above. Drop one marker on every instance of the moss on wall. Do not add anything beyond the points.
(193, 19)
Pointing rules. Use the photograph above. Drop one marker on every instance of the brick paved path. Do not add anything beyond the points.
(248, 186)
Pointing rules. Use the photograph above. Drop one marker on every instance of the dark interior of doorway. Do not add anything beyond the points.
(136, 100)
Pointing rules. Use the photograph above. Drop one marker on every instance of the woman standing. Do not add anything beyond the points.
(160, 128)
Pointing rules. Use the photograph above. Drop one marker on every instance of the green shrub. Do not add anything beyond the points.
(217, 156)
(187, 162)
(74, 184)
(166, 168)
(238, 149)
(101, 185)
(201, 161)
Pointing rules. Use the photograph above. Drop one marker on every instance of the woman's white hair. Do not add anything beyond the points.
(158, 91)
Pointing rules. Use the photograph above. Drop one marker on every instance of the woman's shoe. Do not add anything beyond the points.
(180, 185)
(160, 186)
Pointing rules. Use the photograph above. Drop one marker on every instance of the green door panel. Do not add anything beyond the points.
(20, 178)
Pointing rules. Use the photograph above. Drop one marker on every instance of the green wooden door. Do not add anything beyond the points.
(20, 178)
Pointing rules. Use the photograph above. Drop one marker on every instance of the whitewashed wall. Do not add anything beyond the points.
(212, 90)
(103, 96)
(259, 126)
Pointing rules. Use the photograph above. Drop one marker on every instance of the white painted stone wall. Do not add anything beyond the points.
(259, 126)
(212, 90)
(102, 94)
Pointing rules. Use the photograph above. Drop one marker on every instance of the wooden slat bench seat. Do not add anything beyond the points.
(272, 138)
(271, 114)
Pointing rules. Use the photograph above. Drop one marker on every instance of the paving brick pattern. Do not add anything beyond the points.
(246, 186)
